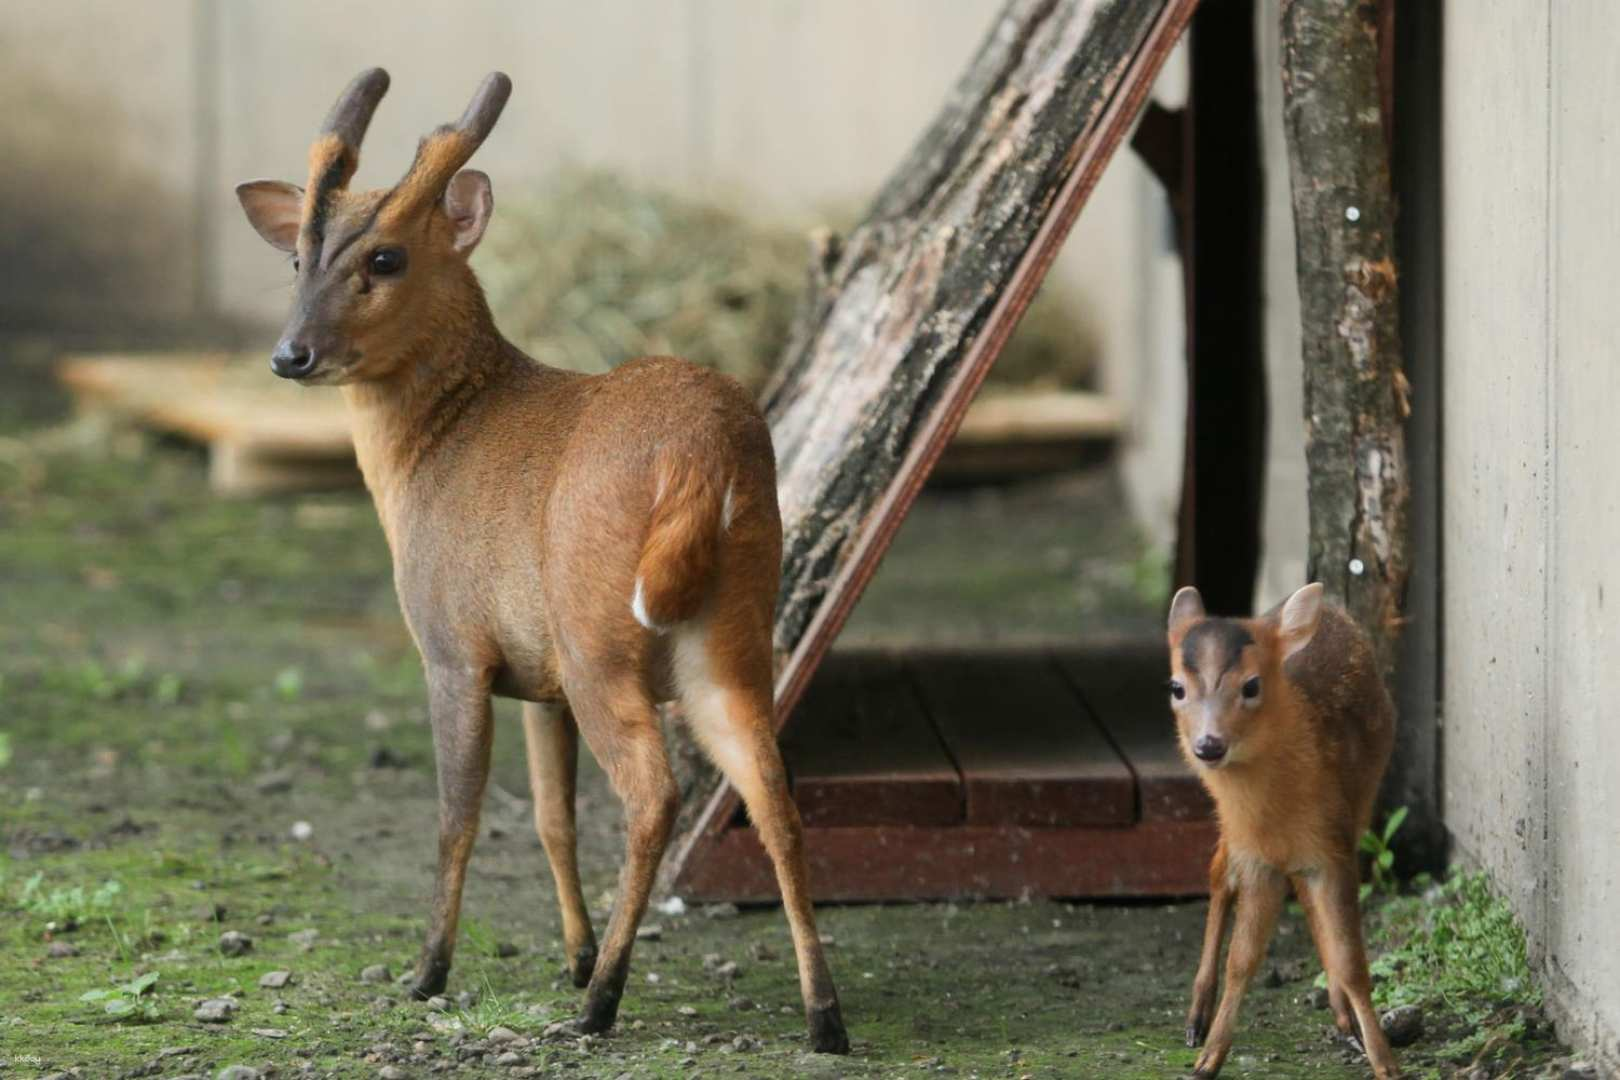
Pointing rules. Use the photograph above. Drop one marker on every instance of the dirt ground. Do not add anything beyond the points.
(213, 722)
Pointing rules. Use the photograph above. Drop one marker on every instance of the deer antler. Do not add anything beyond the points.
(447, 148)
(335, 153)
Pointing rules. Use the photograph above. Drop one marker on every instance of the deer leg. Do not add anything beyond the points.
(1209, 961)
(459, 707)
(1343, 1018)
(621, 728)
(1344, 955)
(553, 746)
(1260, 894)
(734, 727)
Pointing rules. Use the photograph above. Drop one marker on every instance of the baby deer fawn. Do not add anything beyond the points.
(589, 545)
(1288, 724)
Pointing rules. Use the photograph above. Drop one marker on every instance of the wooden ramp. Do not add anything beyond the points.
(950, 774)
(990, 775)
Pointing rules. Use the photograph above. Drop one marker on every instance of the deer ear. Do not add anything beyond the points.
(1297, 623)
(468, 203)
(274, 208)
(1186, 609)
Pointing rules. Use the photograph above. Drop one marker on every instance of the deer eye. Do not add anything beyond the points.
(1251, 689)
(1177, 691)
(296, 264)
(386, 261)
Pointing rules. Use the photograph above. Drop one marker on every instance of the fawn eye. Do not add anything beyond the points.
(296, 264)
(388, 260)
(1177, 691)
(1251, 689)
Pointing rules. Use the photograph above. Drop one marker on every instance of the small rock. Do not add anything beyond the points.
(215, 1010)
(304, 939)
(727, 910)
(511, 1057)
(270, 1033)
(505, 950)
(237, 1072)
(727, 970)
(235, 943)
(275, 980)
(502, 1035)
(711, 961)
(827, 941)
(302, 830)
(392, 1072)
(438, 1003)
(61, 950)
(1319, 997)
(686, 1010)
(1581, 1070)
(761, 952)
(274, 783)
(739, 1004)
(376, 973)
(650, 932)
(673, 906)
(279, 1007)
(742, 1044)
(1403, 1025)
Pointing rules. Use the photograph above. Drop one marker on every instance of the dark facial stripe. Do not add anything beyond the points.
(1226, 639)
(321, 203)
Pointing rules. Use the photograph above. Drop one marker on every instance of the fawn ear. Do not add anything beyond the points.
(1186, 609)
(468, 203)
(1297, 624)
(274, 208)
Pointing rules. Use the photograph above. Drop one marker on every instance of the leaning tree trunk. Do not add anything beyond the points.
(1344, 229)
(896, 308)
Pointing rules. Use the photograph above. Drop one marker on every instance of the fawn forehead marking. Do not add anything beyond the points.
(1215, 646)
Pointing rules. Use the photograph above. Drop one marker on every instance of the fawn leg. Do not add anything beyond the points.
(1343, 1018)
(733, 724)
(553, 745)
(1344, 956)
(1260, 894)
(621, 727)
(1209, 961)
(458, 703)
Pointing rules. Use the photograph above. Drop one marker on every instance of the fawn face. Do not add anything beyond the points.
(376, 272)
(1220, 670)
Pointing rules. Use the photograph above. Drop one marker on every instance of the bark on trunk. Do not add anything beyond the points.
(1355, 391)
(895, 306)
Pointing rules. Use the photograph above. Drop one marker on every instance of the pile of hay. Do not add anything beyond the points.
(593, 270)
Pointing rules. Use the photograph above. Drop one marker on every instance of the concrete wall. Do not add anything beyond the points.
(1532, 496)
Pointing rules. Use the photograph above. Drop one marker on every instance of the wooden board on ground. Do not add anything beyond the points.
(1029, 752)
(861, 751)
(1123, 684)
(263, 433)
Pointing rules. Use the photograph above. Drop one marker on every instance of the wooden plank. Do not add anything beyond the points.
(1028, 750)
(1123, 684)
(1168, 858)
(862, 752)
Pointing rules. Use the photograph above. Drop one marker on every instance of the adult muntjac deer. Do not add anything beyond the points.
(1287, 722)
(589, 545)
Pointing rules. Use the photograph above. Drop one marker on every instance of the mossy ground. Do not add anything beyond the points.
(182, 679)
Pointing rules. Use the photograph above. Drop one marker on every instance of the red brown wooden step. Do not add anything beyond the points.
(1028, 750)
(861, 751)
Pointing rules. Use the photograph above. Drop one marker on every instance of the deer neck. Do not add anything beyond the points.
(401, 420)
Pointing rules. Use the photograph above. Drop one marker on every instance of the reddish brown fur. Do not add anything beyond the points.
(1294, 792)
(521, 504)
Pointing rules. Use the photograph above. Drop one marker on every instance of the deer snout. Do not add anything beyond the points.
(292, 360)
(1209, 748)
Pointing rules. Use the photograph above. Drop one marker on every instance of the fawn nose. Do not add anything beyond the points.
(292, 360)
(1209, 748)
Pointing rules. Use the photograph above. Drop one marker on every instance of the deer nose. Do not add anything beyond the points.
(292, 360)
(1209, 748)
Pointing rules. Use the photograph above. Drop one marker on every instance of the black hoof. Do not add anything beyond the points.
(597, 1016)
(430, 983)
(584, 967)
(827, 1034)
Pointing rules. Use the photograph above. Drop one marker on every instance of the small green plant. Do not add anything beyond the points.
(1377, 844)
(128, 1001)
(289, 684)
(61, 906)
